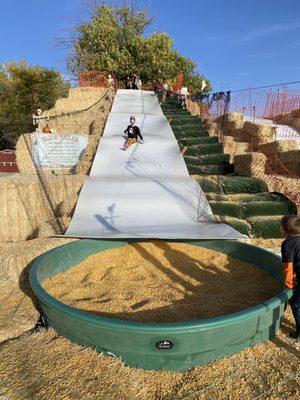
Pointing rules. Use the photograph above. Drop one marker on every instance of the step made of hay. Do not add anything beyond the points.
(262, 133)
(231, 121)
(250, 164)
(233, 147)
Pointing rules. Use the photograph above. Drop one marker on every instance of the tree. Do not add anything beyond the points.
(24, 89)
(115, 41)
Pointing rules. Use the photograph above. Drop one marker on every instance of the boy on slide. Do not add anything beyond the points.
(133, 133)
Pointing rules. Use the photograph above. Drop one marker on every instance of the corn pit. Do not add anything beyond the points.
(161, 281)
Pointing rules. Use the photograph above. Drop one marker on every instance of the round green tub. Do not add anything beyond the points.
(164, 346)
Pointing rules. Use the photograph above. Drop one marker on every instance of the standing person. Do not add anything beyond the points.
(128, 83)
(134, 82)
(290, 250)
(139, 83)
(133, 134)
(165, 90)
(184, 93)
(110, 81)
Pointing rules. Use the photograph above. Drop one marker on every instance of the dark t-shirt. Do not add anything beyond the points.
(290, 250)
(133, 132)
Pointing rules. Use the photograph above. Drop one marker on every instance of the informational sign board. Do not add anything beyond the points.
(57, 150)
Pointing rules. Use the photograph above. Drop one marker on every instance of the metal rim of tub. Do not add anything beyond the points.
(160, 346)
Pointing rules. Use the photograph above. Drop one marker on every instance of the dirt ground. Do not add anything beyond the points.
(40, 365)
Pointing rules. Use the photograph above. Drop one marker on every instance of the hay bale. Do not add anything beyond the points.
(283, 156)
(291, 161)
(16, 258)
(85, 163)
(18, 312)
(250, 164)
(29, 203)
(233, 148)
(231, 121)
(296, 123)
(261, 133)
(279, 146)
(24, 154)
(285, 119)
(296, 113)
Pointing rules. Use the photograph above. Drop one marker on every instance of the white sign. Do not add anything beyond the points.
(56, 150)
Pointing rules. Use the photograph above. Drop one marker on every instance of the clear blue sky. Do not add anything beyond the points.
(234, 43)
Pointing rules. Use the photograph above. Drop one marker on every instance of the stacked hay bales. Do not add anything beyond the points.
(283, 156)
(83, 112)
(39, 203)
(292, 119)
(31, 205)
(250, 164)
(80, 112)
(259, 133)
(254, 150)
(257, 214)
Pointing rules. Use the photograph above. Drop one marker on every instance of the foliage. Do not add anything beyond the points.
(115, 41)
(24, 89)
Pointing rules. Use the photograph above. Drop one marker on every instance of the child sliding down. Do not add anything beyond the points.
(133, 133)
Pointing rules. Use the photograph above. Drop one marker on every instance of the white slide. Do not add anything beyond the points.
(146, 191)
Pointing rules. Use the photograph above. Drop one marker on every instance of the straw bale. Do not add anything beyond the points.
(44, 366)
(160, 281)
(285, 119)
(18, 312)
(250, 164)
(232, 147)
(279, 146)
(262, 133)
(85, 163)
(289, 186)
(89, 122)
(296, 123)
(291, 161)
(277, 118)
(231, 121)
(16, 258)
(296, 113)
(24, 154)
(283, 155)
(89, 118)
(30, 203)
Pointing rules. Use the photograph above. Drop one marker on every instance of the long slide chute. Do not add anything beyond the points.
(146, 191)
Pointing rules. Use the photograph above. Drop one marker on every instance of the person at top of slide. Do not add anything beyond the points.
(133, 133)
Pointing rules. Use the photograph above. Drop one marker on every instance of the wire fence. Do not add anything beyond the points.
(260, 129)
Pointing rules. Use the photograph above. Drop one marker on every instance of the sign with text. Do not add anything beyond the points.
(57, 150)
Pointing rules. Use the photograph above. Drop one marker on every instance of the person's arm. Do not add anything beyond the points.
(289, 278)
(139, 133)
(126, 130)
(288, 266)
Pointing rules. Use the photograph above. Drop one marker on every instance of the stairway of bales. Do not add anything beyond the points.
(242, 202)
